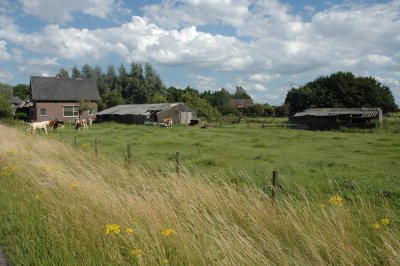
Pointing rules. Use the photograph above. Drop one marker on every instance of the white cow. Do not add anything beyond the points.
(38, 125)
(168, 122)
(80, 123)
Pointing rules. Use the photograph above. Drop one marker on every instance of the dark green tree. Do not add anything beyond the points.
(75, 72)
(21, 91)
(62, 73)
(87, 71)
(241, 93)
(341, 89)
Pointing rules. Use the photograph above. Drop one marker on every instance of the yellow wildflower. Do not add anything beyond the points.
(113, 228)
(74, 185)
(136, 252)
(385, 221)
(375, 225)
(168, 232)
(322, 205)
(8, 170)
(129, 230)
(336, 200)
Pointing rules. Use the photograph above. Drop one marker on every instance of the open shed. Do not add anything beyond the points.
(330, 118)
(140, 113)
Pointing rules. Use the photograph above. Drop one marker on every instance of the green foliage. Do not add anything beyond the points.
(21, 116)
(341, 89)
(5, 106)
(75, 72)
(21, 91)
(6, 90)
(110, 99)
(63, 73)
(192, 98)
(241, 93)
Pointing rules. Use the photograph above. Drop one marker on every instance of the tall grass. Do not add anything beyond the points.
(56, 204)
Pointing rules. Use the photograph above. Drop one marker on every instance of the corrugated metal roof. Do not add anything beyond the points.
(136, 109)
(364, 112)
(64, 89)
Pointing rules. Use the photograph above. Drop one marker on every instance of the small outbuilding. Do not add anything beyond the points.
(180, 113)
(331, 118)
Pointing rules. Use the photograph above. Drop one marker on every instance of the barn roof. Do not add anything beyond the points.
(363, 112)
(137, 109)
(63, 89)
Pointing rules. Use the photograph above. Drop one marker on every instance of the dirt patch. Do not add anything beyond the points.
(3, 261)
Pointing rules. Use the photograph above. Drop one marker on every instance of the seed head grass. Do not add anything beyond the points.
(118, 215)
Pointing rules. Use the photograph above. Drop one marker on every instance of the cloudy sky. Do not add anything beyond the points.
(265, 46)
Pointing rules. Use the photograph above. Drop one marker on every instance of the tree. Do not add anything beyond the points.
(5, 100)
(75, 72)
(193, 99)
(21, 91)
(84, 106)
(110, 99)
(87, 72)
(241, 93)
(62, 73)
(341, 89)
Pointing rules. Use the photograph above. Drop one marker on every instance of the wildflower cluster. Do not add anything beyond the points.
(84, 146)
(336, 200)
(168, 232)
(113, 228)
(383, 222)
(137, 252)
(8, 171)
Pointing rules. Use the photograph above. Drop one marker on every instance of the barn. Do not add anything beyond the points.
(140, 113)
(331, 118)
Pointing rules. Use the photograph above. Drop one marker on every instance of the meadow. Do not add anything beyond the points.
(337, 199)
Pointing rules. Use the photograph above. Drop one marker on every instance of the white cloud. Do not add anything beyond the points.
(61, 11)
(177, 13)
(6, 76)
(4, 55)
(204, 83)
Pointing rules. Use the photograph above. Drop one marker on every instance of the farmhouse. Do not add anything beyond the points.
(58, 98)
(329, 118)
(241, 103)
(140, 113)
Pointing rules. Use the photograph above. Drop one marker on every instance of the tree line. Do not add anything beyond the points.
(140, 84)
(341, 89)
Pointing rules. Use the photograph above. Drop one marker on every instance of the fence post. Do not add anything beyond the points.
(96, 147)
(178, 155)
(129, 154)
(274, 179)
(60, 136)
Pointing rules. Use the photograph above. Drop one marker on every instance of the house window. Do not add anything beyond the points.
(71, 111)
(90, 112)
(42, 111)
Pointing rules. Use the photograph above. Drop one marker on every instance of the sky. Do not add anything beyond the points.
(265, 46)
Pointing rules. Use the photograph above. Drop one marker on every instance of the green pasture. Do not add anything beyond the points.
(320, 161)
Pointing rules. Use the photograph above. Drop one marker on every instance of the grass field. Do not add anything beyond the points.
(320, 161)
(61, 205)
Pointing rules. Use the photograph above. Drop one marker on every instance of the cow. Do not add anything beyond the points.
(38, 125)
(168, 122)
(56, 124)
(89, 122)
(81, 124)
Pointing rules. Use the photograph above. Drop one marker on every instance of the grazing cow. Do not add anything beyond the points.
(38, 125)
(168, 122)
(89, 122)
(56, 124)
(81, 124)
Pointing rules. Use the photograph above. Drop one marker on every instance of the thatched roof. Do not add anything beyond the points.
(137, 109)
(63, 89)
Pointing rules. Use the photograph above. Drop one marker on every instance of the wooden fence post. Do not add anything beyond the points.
(274, 179)
(178, 154)
(129, 154)
(96, 147)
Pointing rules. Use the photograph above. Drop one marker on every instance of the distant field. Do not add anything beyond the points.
(319, 161)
